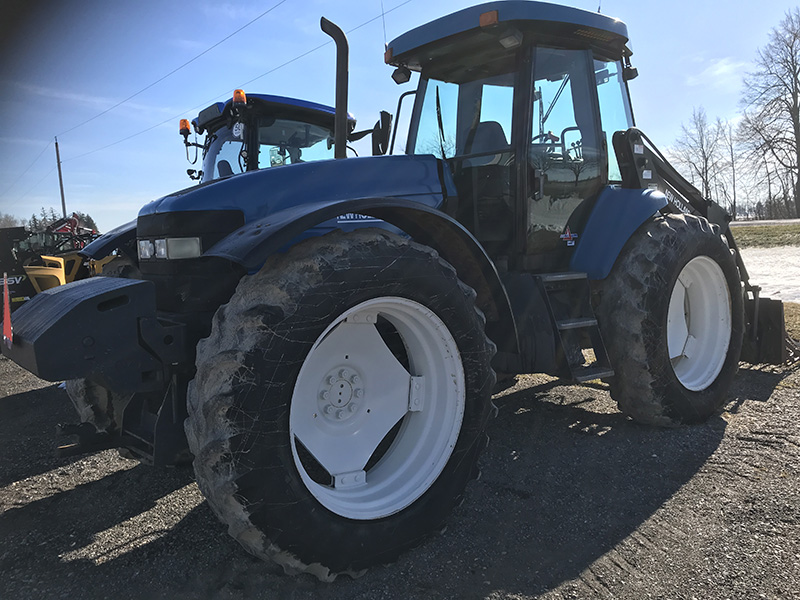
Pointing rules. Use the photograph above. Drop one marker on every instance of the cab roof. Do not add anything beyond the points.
(301, 109)
(475, 27)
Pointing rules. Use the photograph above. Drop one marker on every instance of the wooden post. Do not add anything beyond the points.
(61, 183)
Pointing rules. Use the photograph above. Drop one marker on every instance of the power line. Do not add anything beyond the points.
(21, 175)
(246, 83)
(188, 62)
(290, 61)
(35, 185)
(71, 158)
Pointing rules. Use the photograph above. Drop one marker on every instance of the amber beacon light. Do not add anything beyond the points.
(239, 97)
(185, 129)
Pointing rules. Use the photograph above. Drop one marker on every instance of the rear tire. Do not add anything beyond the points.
(671, 314)
(303, 417)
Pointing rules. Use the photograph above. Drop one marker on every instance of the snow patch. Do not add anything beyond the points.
(776, 270)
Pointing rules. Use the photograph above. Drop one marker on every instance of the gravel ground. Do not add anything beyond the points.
(575, 501)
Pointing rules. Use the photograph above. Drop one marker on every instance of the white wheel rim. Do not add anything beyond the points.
(352, 392)
(699, 323)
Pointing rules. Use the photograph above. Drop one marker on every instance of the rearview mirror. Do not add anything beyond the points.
(380, 134)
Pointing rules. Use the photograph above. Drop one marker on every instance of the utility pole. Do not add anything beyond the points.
(61, 183)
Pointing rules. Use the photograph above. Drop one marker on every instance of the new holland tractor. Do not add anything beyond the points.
(322, 338)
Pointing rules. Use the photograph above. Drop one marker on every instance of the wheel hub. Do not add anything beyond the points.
(340, 394)
(699, 323)
(378, 436)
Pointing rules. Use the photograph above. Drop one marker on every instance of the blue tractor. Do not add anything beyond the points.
(323, 338)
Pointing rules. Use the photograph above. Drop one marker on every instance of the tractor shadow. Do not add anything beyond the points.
(28, 449)
(757, 382)
(92, 526)
(565, 479)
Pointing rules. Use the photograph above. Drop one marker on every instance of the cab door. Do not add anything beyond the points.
(469, 121)
(567, 162)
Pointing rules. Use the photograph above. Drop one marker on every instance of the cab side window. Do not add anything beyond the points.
(615, 108)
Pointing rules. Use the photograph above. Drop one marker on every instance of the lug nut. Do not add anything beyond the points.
(340, 414)
(355, 379)
(358, 392)
(324, 395)
(353, 407)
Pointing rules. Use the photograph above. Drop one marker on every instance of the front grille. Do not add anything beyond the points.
(197, 284)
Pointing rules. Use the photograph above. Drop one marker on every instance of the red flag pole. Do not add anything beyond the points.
(8, 332)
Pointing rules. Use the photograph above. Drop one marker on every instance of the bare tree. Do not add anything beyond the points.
(729, 155)
(771, 124)
(698, 152)
(7, 220)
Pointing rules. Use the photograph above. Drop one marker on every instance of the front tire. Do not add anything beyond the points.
(671, 315)
(340, 401)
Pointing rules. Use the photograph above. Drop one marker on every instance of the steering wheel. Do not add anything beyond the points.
(549, 140)
(545, 138)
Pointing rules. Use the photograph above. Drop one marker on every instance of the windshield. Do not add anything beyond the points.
(287, 142)
(280, 142)
(222, 155)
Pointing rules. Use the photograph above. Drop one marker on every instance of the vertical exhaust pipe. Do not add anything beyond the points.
(342, 58)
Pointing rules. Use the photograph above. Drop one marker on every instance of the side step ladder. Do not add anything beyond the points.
(568, 300)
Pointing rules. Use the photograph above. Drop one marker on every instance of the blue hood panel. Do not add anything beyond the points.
(260, 193)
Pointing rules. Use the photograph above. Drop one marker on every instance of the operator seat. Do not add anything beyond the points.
(224, 168)
(484, 183)
(487, 136)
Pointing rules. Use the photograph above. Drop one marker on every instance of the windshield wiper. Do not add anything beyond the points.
(439, 119)
(556, 97)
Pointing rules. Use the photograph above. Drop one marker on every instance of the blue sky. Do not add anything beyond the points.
(64, 62)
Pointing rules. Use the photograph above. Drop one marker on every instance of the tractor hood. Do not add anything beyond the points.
(260, 193)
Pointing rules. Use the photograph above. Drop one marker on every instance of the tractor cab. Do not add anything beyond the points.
(258, 131)
(521, 100)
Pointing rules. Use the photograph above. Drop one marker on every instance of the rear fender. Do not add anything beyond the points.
(616, 215)
(250, 246)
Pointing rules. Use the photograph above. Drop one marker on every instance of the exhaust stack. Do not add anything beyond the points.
(342, 74)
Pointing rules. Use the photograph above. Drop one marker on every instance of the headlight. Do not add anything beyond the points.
(161, 248)
(170, 248)
(145, 249)
(183, 247)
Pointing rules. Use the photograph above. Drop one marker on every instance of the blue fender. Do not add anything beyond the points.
(251, 244)
(110, 241)
(616, 215)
